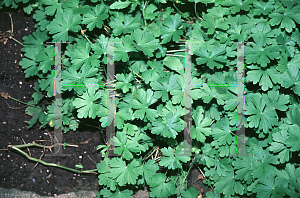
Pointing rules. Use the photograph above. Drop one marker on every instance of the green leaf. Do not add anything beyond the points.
(124, 174)
(160, 188)
(213, 22)
(262, 31)
(29, 63)
(40, 16)
(122, 47)
(262, 116)
(262, 164)
(46, 59)
(150, 12)
(259, 54)
(169, 30)
(130, 129)
(107, 116)
(269, 186)
(169, 127)
(37, 39)
(123, 115)
(125, 82)
(145, 41)
(173, 63)
(118, 194)
(290, 176)
(293, 115)
(212, 59)
(36, 112)
(285, 17)
(86, 105)
(62, 24)
(123, 24)
(142, 140)
(221, 131)
(79, 166)
(170, 160)
(242, 165)
(178, 96)
(53, 6)
(47, 84)
(120, 5)
(78, 80)
(291, 78)
(77, 6)
(276, 101)
(104, 170)
(236, 6)
(191, 192)
(228, 185)
(202, 128)
(154, 72)
(287, 44)
(278, 145)
(144, 100)
(163, 86)
(149, 169)
(264, 77)
(282, 63)
(293, 137)
(96, 16)
(80, 55)
(263, 7)
(124, 146)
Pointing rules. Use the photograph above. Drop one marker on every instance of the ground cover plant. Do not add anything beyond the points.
(149, 106)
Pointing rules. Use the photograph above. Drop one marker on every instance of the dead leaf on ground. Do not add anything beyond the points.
(4, 95)
(200, 177)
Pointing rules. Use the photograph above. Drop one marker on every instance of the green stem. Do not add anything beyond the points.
(21, 101)
(143, 11)
(87, 39)
(203, 174)
(45, 163)
(16, 41)
(187, 172)
(185, 37)
(196, 12)
(183, 50)
(182, 13)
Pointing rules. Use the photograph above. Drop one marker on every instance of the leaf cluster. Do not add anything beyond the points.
(149, 108)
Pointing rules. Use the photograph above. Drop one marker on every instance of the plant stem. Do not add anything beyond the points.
(45, 163)
(203, 174)
(182, 13)
(87, 39)
(21, 101)
(196, 12)
(174, 55)
(16, 40)
(143, 11)
(151, 153)
(188, 171)
(182, 50)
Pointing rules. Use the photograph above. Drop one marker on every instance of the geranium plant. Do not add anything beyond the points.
(149, 108)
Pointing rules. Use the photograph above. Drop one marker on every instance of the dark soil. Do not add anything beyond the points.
(16, 170)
